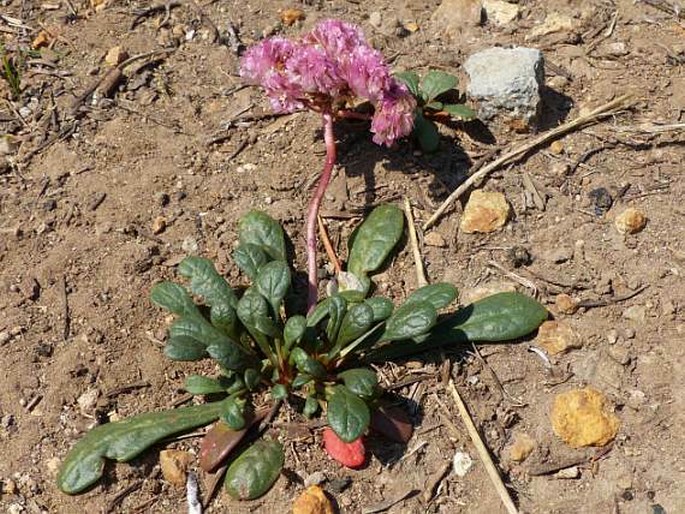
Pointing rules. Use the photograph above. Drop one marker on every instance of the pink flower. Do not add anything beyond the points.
(331, 63)
(394, 116)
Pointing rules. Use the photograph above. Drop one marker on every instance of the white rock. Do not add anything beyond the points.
(461, 463)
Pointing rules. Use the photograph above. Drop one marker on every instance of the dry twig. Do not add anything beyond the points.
(418, 261)
(619, 104)
(483, 453)
(330, 251)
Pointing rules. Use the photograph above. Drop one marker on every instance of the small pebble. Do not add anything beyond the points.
(566, 304)
(485, 212)
(174, 464)
(159, 225)
(630, 221)
(316, 478)
(519, 256)
(568, 473)
(601, 200)
(522, 447)
(461, 463)
(557, 337)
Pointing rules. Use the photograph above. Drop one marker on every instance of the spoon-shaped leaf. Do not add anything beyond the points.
(124, 440)
(256, 469)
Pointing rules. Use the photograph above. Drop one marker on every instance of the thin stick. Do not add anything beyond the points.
(521, 151)
(483, 452)
(323, 234)
(413, 240)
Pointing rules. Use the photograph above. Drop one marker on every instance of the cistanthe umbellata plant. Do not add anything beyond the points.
(313, 361)
(434, 94)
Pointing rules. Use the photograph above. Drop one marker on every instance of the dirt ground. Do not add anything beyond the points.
(180, 142)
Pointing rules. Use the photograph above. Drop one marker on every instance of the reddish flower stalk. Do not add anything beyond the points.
(313, 211)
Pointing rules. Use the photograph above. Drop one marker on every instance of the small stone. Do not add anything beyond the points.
(49, 205)
(338, 485)
(15, 508)
(174, 464)
(506, 82)
(158, 225)
(636, 313)
(116, 55)
(316, 478)
(566, 304)
(612, 336)
(434, 239)
(313, 501)
(668, 308)
(291, 16)
(87, 401)
(557, 337)
(568, 473)
(522, 447)
(581, 417)
(557, 147)
(190, 246)
(485, 212)
(630, 221)
(453, 16)
(615, 49)
(499, 12)
(461, 463)
(620, 354)
(375, 19)
(554, 22)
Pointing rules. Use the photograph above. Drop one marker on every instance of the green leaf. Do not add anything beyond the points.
(438, 295)
(206, 282)
(254, 472)
(273, 282)
(306, 364)
(411, 80)
(360, 381)
(182, 348)
(437, 106)
(198, 384)
(426, 133)
(319, 313)
(382, 307)
(460, 111)
(410, 321)
(434, 83)
(348, 415)
(253, 311)
(252, 378)
(356, 322)
(294, 331)
(124, 440)
(219, 346)
(260, 229)
(174, 298)
(300, 380)
(311, 406)
(336, 313)
(279, 392)
(234, 413)
(375, 239)
(500, 317)
(250, 258)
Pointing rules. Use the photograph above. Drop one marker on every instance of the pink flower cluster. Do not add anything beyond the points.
(330, 63)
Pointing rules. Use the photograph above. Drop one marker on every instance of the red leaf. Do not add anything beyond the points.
(351, 455)
(220, 441)
(393, 423)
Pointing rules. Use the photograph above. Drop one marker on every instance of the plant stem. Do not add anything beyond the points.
(314, 205)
